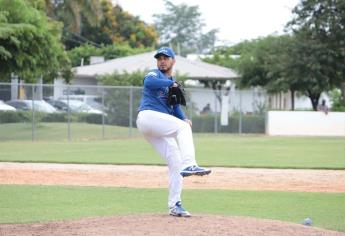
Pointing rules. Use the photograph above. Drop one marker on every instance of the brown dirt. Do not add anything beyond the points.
(156, 177)
(165, 225)
(135, 176)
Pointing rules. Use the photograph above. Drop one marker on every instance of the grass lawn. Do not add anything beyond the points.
(59, 131)
(46, 203)
(211, 150)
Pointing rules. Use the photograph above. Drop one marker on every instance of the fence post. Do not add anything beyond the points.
(130, 110)
(240, 117)
(14, 87)
(33, 114)
(103, 119)
(68, 116)
(215, 114)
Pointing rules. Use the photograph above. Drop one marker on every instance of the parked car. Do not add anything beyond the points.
(59, 105)
(79, 106)
(37, 105)
(5, 107)
(91, 100)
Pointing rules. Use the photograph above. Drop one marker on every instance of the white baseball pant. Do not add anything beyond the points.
(172, 138)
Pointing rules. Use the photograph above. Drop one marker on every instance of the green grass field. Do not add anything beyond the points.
(214, 150)
(45, 203)
(59, 131)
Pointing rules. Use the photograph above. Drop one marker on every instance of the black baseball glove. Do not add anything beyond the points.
(176, 95)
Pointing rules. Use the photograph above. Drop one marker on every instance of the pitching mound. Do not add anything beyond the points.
(164, 225)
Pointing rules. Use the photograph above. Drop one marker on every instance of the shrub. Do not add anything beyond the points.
(338, 103)
(15, 116)
(26, 116)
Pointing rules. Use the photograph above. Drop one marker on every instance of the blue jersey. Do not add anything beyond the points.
(155, 94)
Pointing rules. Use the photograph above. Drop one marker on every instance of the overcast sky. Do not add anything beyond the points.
(236, 20)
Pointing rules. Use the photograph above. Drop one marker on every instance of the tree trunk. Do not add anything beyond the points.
(314, 98)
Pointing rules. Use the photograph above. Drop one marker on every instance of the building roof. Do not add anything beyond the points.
(195, 70)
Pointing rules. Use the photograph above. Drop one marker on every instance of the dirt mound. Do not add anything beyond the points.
(164, 225)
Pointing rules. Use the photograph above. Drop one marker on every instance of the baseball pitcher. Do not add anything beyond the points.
(165, 126)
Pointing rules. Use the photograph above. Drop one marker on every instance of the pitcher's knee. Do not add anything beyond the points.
(175, 166)
(185, 127)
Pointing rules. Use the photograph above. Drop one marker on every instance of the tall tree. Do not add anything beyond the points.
(207, 41)
(130, 29)
(106, 31)
(249, 59)
(302, 69)
(114, 26)
(30, 43)
(292, 66)
(323, 23)
(181, 27)
(279, 64)
(72, 14)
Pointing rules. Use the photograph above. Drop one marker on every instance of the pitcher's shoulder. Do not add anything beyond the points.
(153, 73)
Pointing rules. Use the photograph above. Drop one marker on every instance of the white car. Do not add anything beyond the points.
(5, 107)
(38, 105)
(91, 100)
(79, 106)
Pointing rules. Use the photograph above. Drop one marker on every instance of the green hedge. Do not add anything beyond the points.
(15, 116)
(26, 116)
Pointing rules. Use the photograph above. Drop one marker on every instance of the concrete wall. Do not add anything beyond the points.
(305, 123)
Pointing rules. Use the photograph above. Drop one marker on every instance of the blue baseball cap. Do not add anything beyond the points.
(165, 51)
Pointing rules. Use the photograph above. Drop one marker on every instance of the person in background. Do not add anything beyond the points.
(323, 107)
(206, 109)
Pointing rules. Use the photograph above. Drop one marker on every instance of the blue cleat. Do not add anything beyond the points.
(195, 170)
(178, 210)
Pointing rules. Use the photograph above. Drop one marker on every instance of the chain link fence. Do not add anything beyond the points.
(70, 112)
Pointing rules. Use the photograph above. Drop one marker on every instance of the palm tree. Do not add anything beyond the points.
(71, 12)
(49, 8)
